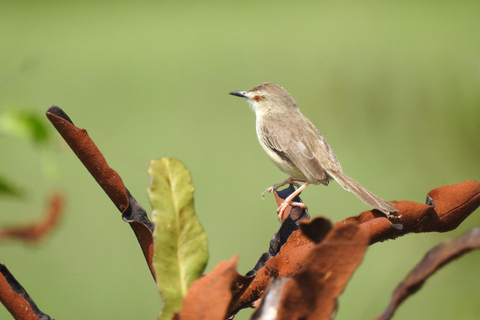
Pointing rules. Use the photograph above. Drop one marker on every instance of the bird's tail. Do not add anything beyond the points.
(362, 193)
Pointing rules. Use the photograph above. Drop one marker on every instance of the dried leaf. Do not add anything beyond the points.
(453, 204)
(86, 150)
(208, 297)
(180, 244)
(313, 292)
(316, 229)
(34, 232)
(17, 301)
(137, 218)
(287, 263)
(271, 301)
(433, 260)
(88, 153)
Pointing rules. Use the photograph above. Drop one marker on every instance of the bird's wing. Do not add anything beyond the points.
(303, 147)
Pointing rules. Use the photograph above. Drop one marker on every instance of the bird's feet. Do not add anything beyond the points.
(270, 190)
(289, 201)
(392, 215)
(281, 184)
(281, 209)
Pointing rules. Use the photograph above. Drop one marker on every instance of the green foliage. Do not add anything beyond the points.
(28, 125)
(7, 188)
(180, 243)
(25, 124)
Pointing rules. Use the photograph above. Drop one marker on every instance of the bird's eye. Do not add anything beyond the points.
(257, 97)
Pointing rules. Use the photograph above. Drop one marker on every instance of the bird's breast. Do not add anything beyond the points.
(280, 162)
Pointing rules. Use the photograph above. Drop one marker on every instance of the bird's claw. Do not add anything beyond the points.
(281, 184)
(281, 209)
(270, 190)
(393, 216)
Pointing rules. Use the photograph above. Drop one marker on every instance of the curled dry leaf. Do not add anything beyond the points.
(270, 302)
(313, 292)
(138, 220)
(453, 204)
(16, 300)
(319, 277)
(316, 229)
(36, 231)
(433, 260)
(288, 262)
(209, 297)
(86, 150)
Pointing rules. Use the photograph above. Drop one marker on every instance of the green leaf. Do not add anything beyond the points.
(25, 124)
(180, 243)
(8, 189)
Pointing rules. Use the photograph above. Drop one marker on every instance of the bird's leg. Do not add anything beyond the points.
(288, 201)
(290, 180)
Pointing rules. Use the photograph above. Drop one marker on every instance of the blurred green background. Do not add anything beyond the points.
(393, 86)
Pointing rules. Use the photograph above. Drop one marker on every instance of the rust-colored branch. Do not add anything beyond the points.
(110, 181)
(16, 299)
(36, 231)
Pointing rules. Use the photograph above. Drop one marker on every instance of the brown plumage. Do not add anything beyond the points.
(295, 145)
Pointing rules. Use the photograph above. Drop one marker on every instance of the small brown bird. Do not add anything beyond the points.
(297, 148)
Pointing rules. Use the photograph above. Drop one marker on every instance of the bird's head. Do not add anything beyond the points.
(267, 97)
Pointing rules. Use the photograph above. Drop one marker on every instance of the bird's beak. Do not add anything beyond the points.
(241, 94)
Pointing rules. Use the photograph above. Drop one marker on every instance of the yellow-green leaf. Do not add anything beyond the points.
(180, 243)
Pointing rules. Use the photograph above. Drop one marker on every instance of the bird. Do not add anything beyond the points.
(297, 148)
